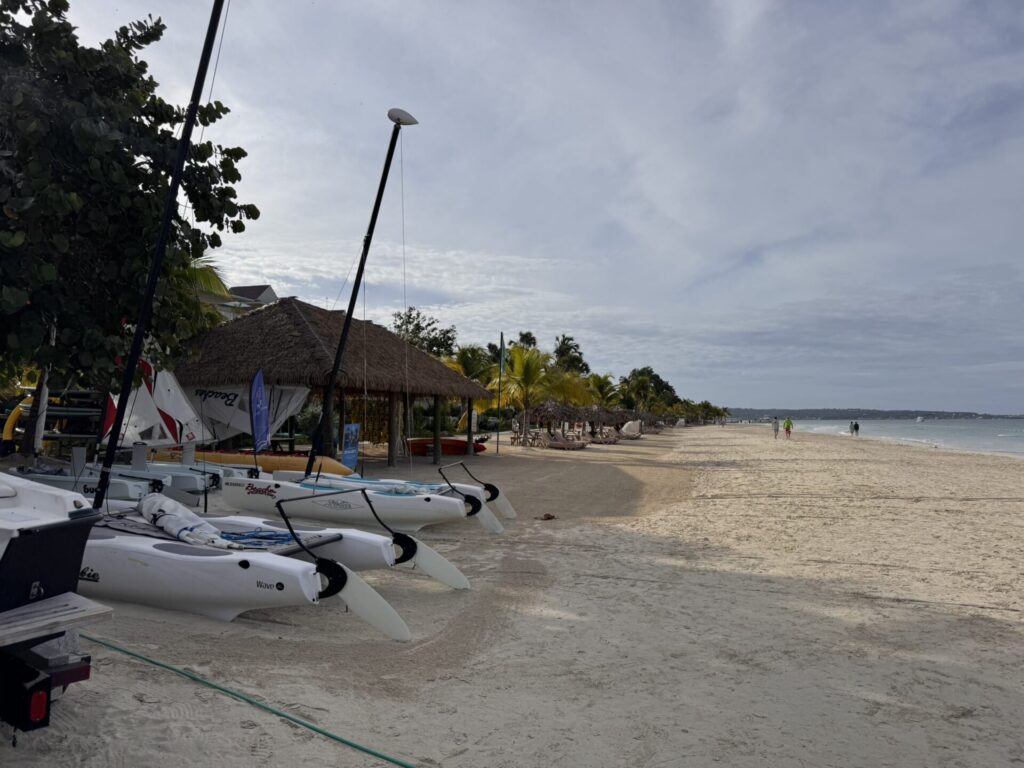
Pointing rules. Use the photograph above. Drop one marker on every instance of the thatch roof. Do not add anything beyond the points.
(552, 410)
(295, 342)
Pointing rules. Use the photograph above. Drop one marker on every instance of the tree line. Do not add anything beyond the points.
(532, 375)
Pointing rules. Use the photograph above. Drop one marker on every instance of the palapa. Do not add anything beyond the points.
(295, 342)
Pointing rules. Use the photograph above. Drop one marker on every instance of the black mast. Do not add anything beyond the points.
(323, 434)
(146, 310)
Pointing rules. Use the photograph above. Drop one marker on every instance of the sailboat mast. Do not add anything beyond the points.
(170, 203)
(324, 433)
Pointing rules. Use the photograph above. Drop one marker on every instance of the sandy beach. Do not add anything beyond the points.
(705, 596)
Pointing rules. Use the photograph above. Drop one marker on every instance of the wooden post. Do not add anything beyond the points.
(469, 428)
(394, 432)
(437, 429)
(341, 422)
(342, 417)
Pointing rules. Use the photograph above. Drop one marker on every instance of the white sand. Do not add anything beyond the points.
(706, 596)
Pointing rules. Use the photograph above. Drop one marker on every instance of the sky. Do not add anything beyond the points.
(773, 204)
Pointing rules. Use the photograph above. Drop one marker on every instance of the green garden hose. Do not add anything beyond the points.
(250, 700)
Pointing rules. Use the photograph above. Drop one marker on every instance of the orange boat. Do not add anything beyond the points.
(268, 461)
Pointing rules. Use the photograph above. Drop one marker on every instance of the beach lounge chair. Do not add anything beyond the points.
(546, 440)
(574, 437)
(604, 437)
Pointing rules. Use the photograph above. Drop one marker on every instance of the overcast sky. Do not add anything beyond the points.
(774, 204)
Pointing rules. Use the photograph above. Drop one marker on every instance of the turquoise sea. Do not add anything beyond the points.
(977, 435)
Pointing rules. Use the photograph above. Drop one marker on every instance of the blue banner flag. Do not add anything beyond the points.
(501, 353)
(259, 413)
(350, 446)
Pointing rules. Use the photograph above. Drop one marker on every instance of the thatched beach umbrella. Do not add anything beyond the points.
(549, 412)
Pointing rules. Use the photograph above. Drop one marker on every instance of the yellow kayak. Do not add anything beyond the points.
(270, 462)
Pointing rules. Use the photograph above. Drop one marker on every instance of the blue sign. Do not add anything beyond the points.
(350, 446)
(259, 413)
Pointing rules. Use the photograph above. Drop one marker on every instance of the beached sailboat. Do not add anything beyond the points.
(160, 554)
(484, 493)
(391, 509)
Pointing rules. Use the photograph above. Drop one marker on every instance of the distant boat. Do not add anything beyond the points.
(920, 419)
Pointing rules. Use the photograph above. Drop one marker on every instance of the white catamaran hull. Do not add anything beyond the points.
(184, 481)
(500, 501)
(213, 582)
(306, 501)
(184, 577)
(346, 483)
(359, 550)
(120, 488)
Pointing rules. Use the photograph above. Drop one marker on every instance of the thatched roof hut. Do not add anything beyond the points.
(295, 342)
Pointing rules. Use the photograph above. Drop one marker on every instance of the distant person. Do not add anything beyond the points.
(851, 427)
(788, 426)
(775, 427)
(856, 428)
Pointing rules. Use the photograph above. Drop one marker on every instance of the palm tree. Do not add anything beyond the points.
(473, 362)
(567, 388)
(568, 356)
(641, 390)
(524, 380)
(205, 276)
(603, 390)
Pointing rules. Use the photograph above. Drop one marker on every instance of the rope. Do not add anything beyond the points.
(366, 393)
(342, 288)
(405, 298)
(253, 702)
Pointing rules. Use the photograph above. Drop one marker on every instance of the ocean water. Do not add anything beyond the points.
(977, 435)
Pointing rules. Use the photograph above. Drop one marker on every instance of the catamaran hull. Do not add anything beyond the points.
(306, 501)
(500, 501)
(129, 490)
(359, 550)
(457, 491)
(185, 482)
(176, 576)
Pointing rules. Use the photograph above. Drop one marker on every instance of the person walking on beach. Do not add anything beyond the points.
(788, 426)
(856, 428)
(851, 427)
(775, 426)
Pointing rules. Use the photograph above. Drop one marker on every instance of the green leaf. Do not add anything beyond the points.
(60, 242)
(13, 299)
(12, 239)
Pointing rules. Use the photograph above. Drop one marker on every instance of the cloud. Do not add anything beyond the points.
(771, 203)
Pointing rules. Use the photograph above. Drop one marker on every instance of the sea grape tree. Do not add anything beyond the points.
(86, 145)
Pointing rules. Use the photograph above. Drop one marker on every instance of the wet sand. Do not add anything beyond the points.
(704, 596)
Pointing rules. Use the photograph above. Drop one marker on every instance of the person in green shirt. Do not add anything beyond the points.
(788, 426)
